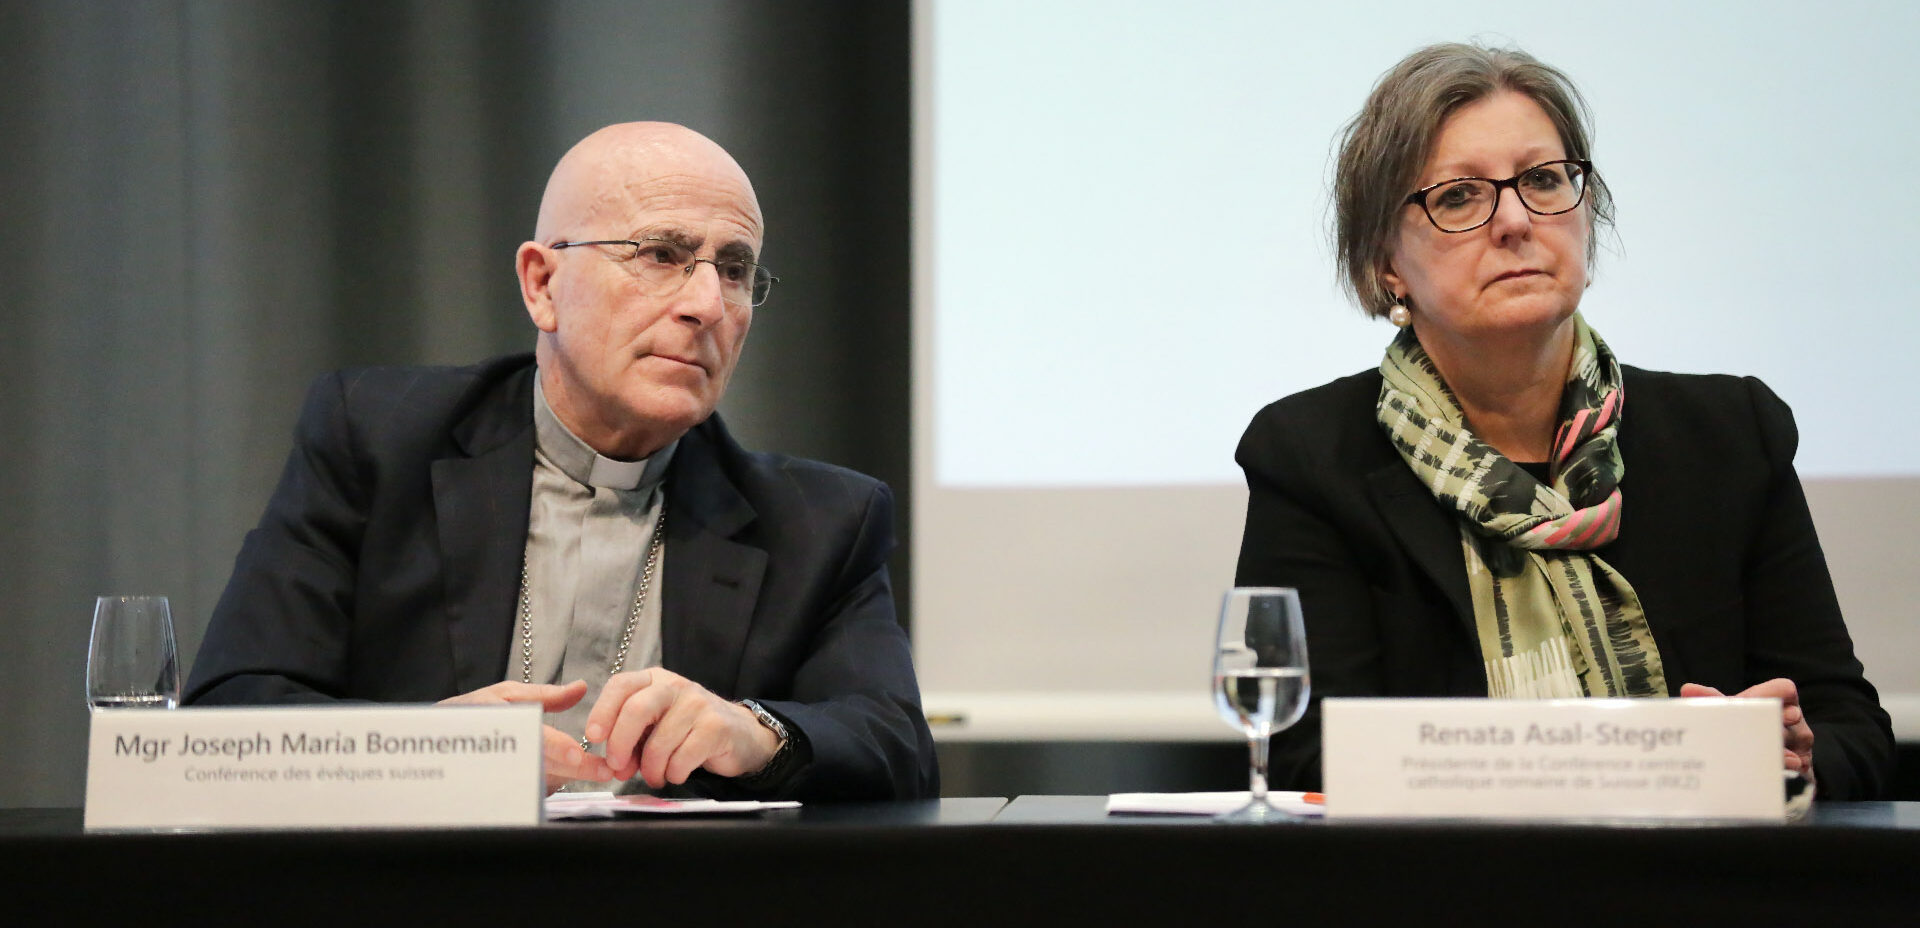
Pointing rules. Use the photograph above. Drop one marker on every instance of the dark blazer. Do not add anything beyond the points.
(388, 561)
(1715, 538)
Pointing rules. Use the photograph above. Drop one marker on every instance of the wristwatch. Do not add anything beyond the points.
(772, 722)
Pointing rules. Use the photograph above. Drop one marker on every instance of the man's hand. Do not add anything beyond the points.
(665, 726)
(564, 759)
(1799, 735)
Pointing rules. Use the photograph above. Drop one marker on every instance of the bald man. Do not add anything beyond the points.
(576, 527)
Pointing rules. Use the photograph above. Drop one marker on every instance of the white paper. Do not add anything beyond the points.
(1209, 803)
(563, 806)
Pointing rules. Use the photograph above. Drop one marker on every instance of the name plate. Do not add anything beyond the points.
(1553, 759)
(314, 767)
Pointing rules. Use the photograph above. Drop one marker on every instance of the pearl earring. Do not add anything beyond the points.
(1400, 315)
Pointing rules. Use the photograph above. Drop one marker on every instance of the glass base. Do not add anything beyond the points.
(1257, 812)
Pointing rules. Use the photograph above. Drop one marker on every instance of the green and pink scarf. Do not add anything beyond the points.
(1554, 619)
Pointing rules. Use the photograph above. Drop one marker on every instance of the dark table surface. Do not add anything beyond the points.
(1092, 810)
(29, 824)
(1055, 859)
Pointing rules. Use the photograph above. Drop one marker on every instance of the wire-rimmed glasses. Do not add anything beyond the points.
(667, 265)
(1464, 204)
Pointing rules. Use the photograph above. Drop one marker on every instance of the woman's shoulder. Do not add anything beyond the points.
(1721, 408)
(1721, 393)
(1336, 402)
(1330, 422)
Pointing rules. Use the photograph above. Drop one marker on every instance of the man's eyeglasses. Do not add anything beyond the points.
(666, 266)
(1464, 204)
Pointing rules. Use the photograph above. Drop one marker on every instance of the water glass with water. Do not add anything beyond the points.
(1260, 679)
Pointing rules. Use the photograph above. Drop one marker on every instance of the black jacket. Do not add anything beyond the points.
(387, 563)
(1715, 537)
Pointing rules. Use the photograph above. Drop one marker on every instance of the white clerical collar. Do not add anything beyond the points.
(578, 460)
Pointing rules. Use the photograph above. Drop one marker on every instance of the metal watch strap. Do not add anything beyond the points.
(779, 729)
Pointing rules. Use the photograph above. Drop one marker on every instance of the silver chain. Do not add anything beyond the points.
(633, 616)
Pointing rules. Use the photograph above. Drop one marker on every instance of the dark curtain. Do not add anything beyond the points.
(208, 203)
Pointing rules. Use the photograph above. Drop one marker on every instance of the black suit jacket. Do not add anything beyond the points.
(1715, 538)
(388, 561)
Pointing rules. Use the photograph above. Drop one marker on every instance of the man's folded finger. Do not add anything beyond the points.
(631, 730)
(606, 709)
(682, 721)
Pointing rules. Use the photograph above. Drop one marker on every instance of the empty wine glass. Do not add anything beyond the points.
(1260, 681)
(130, 662)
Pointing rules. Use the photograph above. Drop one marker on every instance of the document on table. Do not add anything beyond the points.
(1307, 805)
(562, 806)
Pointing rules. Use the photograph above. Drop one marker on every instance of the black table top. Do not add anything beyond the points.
(974, 862)
(17, 824)
(1025, 810)
(1092, 810)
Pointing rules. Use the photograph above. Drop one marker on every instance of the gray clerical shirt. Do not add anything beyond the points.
(588, 529)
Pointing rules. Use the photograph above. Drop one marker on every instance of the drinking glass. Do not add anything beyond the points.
(131, 663)
(1260, 681)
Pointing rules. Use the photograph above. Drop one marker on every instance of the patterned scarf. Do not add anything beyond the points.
(1554, 620)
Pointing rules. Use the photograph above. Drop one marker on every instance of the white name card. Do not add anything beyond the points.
(1553, 759)
(314, 767)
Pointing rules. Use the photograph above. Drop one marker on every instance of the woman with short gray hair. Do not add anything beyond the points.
(1455, 519)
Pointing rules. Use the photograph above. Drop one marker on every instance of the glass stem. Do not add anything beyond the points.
(1258, 785)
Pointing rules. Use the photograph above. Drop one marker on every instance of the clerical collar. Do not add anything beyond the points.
(578, 460)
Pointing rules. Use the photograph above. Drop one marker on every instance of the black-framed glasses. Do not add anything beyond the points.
(1464, 204)
(666, 266)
